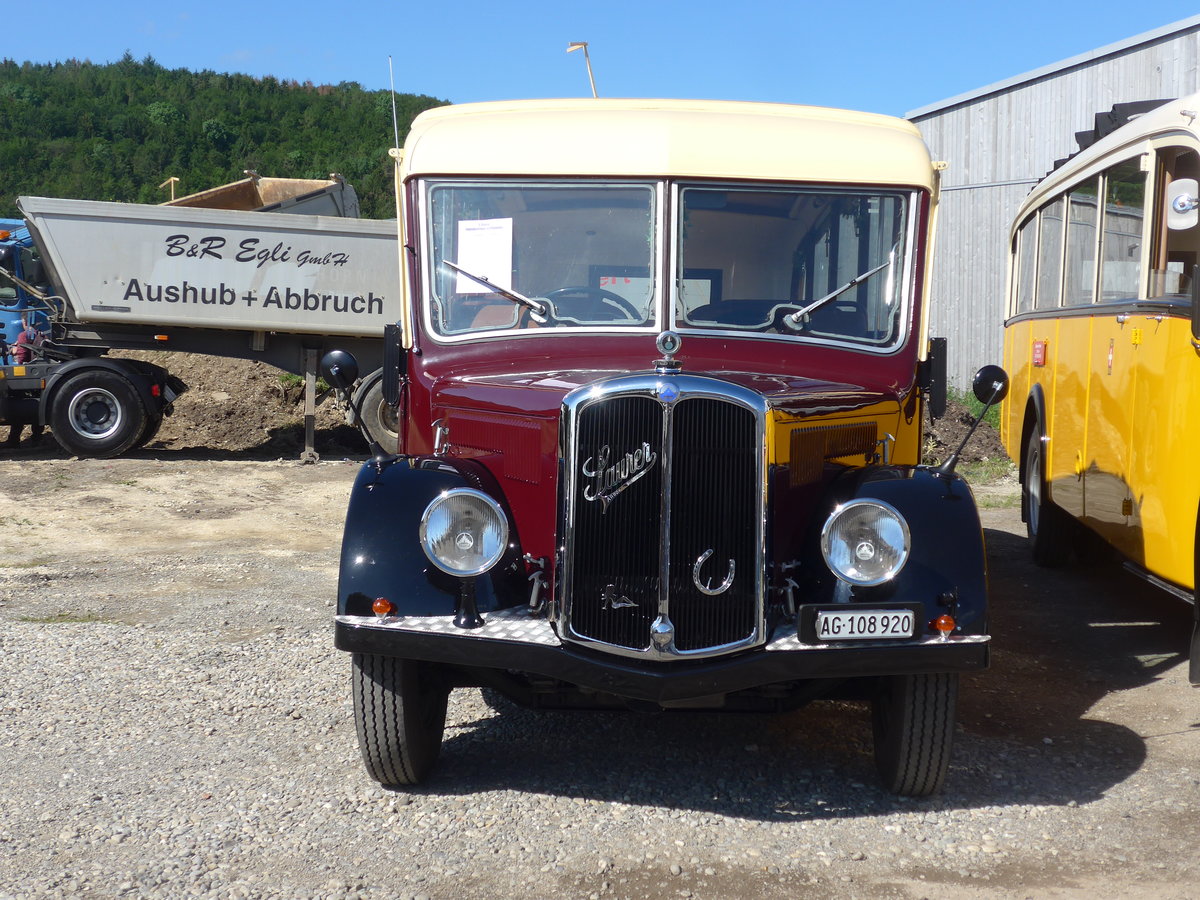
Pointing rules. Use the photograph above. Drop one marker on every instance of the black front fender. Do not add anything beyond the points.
(946, 570)
(381, 549)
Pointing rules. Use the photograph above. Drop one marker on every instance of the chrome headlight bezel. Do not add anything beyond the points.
(866, 515)
(434, 531)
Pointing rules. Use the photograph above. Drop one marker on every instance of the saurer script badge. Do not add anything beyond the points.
(610, 477)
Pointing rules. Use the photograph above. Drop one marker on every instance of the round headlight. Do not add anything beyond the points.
(865, 542)
(464, 532)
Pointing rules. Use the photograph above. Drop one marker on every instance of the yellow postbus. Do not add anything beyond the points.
(1102, 341)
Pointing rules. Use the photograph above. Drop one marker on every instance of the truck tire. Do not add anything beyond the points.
(149, 431)
(913, 718)
(400, 715)
(1046, 524)
(379, 418)
(97, 413)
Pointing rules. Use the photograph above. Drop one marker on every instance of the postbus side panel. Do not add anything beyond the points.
(1112, 361)
(1164, 474)
(1068, 346)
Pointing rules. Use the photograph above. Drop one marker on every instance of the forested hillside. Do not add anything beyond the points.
(117, 131)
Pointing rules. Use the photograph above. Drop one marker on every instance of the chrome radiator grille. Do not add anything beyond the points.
(664, 519)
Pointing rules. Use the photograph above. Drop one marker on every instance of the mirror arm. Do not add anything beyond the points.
(996, 379)
(341, 370)
(947, 468)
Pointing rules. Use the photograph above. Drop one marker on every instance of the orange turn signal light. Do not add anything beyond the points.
(944, 624)
(382, 606)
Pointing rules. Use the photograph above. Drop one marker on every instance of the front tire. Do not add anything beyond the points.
(913, 718)
(400, 715)
(1045, 523)
(97, 413)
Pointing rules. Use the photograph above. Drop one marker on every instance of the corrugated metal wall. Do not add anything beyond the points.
(1013, 133)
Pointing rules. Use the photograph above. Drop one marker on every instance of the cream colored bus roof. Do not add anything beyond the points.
(676, 138)
(1174, 117)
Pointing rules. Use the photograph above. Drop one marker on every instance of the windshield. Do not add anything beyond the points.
(808, 262)
(507, 256)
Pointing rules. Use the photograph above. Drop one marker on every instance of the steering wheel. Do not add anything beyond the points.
(599, 298)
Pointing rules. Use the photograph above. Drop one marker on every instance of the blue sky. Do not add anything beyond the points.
(888, 57)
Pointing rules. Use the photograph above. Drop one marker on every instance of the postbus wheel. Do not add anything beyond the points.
(400, 715)
(1045, 523)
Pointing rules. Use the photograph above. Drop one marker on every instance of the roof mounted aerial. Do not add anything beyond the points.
(583, 45)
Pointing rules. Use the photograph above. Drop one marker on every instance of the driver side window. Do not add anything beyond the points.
(584, 251)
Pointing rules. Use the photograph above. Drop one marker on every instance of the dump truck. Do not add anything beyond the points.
(276, 270)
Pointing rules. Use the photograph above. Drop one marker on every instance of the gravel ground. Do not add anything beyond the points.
(175, 723)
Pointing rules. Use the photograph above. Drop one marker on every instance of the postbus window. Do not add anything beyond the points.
(1178, 250)
(1081, 243)
(1049, 281)
(1026, 264)
(1124, 215)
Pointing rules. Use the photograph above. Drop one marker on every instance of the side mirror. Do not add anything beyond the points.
(990, 385)
(340, 369)
(1183, 204)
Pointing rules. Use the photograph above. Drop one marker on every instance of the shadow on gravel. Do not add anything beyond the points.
(1063, 639)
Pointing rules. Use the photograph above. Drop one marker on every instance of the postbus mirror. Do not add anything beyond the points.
(1183, 204)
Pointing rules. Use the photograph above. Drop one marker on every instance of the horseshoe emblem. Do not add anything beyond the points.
(707, 587)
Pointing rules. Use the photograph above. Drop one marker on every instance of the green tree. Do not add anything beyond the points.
(114, 132)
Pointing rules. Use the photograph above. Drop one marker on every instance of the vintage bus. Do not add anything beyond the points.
(1102, 340)
(660, 388)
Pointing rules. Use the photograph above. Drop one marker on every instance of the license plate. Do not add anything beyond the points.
(865, 624)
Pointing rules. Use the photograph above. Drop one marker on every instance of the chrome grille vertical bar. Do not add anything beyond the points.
(662, 632)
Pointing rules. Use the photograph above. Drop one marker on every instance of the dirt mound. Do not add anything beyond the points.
(245, 407)
(948, 432)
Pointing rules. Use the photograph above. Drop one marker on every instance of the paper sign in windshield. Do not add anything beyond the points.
(485, 249)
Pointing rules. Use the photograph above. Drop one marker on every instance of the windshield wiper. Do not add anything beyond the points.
(537, 311)
(795, 320)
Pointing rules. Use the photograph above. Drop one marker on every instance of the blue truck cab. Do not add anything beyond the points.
(19, 257)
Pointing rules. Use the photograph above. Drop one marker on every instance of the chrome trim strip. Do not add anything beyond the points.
(518, 624)
(789, 640)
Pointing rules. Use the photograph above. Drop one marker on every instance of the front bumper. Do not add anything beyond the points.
(514, 640)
